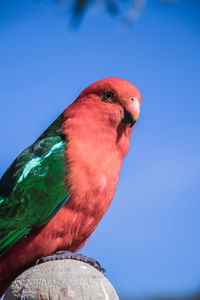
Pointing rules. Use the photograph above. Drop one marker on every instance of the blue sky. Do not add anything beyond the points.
(149, 239)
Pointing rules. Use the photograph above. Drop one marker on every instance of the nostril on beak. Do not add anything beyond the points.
(133, 100)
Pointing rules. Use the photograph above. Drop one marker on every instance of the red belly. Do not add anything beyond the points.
(68, 230)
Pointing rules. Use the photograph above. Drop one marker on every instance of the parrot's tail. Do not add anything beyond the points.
(4, 282)
(3, 285)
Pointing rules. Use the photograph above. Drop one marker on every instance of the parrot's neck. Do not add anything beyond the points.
(95, 148)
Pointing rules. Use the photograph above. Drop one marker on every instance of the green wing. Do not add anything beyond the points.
(33, 189)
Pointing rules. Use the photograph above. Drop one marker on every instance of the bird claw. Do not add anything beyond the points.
(70, 255)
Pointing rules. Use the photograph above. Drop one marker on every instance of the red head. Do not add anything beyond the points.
(103, 114)
(118, 99)
(98, 126)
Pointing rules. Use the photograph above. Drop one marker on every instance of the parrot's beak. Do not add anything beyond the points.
(131, 112)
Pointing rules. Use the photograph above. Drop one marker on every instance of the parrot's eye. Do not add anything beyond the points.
(108, 95)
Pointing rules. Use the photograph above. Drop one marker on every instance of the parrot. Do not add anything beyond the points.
(57, 190)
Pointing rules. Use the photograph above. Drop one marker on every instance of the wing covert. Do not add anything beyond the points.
(33, 189)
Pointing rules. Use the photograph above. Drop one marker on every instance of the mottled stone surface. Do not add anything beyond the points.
(63, 280)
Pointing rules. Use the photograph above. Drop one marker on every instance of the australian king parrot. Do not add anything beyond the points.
(55, 193)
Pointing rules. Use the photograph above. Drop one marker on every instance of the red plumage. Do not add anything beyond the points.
(97, 141)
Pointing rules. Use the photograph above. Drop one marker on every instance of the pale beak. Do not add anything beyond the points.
(131, 112)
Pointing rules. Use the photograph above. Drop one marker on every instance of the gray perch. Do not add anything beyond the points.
(61, 280)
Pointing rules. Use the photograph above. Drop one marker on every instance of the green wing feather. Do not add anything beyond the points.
(33, 189)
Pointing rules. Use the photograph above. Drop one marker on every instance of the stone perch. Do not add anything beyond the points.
(61, 280)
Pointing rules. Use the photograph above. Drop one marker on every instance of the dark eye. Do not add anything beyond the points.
(108, 95)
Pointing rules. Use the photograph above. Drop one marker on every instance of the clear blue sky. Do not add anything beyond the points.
(149, 239)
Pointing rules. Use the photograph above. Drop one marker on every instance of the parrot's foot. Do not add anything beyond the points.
(70, 255)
